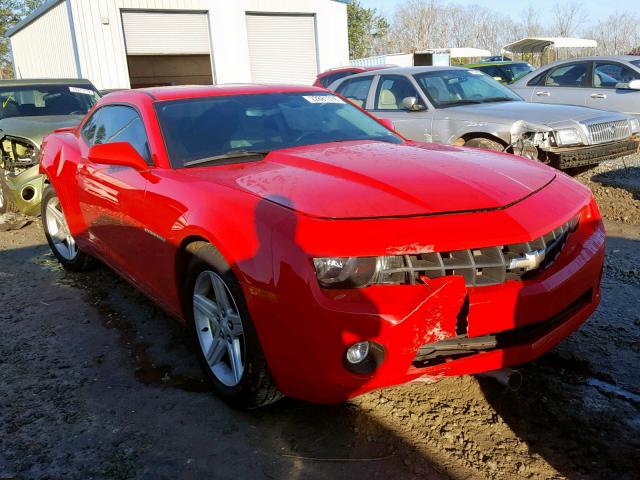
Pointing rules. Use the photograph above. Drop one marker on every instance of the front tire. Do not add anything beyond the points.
(485, 144)
(59, 238)
(226, 341)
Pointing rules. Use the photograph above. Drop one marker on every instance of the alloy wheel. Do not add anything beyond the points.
(58, 230)
(219, 328)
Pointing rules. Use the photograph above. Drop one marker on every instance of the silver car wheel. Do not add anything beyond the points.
(58, 230)
(219, 328)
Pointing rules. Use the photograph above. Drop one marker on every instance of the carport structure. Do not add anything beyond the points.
(540, 50)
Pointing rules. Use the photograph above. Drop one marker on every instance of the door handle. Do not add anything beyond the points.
(543, 94)
(598, 95)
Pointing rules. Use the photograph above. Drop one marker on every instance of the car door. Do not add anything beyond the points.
(608, 90)
(390, 92)
(112, 197)
(565, 84)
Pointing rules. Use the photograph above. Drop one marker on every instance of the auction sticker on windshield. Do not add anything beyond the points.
(83, 91)
(322, 99)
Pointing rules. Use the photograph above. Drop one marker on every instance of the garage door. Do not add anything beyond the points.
(159, 33)
(167, 48)
(282, 48)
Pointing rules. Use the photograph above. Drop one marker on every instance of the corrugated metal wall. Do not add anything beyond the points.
(44, 48)
(100, 35)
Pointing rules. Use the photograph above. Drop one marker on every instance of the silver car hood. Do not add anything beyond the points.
(534, 113)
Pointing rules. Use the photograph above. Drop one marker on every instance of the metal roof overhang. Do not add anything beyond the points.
(538, 44)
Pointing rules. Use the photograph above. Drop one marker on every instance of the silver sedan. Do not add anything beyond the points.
(609, 83)
(459, 106)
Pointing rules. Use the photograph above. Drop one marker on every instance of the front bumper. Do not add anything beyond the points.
(305, 330)
(24, 191)
(572, 157)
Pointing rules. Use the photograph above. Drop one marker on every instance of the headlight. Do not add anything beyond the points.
(634, 123)
(358, 272)
(567, 136)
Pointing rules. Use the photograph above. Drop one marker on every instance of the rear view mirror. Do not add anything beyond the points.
(634, 85)
(387, 123)
(411, 104)
(119, 153)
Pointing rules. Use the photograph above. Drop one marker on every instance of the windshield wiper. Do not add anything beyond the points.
(227, 156)
(498, 99)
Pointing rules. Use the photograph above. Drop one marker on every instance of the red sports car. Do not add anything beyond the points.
(311, 250)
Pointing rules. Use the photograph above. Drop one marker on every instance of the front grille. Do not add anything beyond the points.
(490, 265)
(608, 131)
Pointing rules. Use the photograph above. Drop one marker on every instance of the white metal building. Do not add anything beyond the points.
(137, 43)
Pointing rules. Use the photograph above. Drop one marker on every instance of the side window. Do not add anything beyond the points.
(538, 79)
(117, 123)
(612, 75)
(356, 90)
(329, 79)
(392, 89)
(573, 75)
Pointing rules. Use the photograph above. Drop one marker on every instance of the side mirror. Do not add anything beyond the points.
(387, 123)
(119, 154)
(634, 85)
(411, 104)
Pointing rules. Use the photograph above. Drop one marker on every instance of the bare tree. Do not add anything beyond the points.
(567, 18)
(617, 34)
(531, 25)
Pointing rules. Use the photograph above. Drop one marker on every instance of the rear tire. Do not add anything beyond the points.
(485, 144)
(223, 334)
(59, 237)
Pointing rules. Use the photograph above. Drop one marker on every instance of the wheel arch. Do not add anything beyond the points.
(461, 140)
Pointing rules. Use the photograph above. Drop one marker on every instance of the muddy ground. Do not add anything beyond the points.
(97, 383)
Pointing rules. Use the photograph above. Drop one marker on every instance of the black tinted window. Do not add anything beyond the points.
(117, 123)
(392, 89)
(46, 100)
(198, 129)
(356, 90)
(573, 75)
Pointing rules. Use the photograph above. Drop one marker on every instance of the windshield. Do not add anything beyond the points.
(41, 100)
(448, 88)
(210, 127)
(508, 73)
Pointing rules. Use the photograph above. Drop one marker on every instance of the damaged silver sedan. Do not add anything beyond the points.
(458, 106)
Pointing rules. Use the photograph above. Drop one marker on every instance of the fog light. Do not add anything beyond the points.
(357, 352)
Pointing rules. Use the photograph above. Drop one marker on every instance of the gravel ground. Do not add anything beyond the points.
(97, 383)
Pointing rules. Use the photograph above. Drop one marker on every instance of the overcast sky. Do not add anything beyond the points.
(594, 8)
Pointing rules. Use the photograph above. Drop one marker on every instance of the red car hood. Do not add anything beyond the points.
(375, 179)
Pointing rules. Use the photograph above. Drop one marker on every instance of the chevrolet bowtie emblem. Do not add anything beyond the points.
(529, 261)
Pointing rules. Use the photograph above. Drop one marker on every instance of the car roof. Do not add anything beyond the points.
(17, 82)
(488, 64)
(200, 91)
(623, 58)
(406, 71)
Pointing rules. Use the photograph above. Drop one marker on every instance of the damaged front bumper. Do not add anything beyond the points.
(22, 182)
(580, 156)
(442, 327)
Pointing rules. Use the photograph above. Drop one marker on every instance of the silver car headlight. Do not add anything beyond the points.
(567, 136)
(634, 123)
(358, 272)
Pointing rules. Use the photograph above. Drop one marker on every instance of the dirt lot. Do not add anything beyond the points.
(96, 382)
